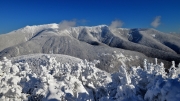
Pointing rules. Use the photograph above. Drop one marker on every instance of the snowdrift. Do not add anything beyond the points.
(26, 79)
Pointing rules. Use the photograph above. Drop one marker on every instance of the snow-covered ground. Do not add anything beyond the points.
(44, 78)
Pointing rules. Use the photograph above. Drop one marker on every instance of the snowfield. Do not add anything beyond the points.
(43, 77)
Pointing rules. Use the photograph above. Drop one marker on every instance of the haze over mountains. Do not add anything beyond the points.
(112, 46)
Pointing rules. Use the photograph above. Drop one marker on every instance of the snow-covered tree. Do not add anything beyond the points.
(83, 81)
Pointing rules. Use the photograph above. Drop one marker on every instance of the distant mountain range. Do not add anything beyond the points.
(113, 47)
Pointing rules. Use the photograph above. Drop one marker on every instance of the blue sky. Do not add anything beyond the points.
(15, 14)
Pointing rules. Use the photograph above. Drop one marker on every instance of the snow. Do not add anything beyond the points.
(32, 30)
(80, 80)
(61, 77)
(51, 81)
(153, 35)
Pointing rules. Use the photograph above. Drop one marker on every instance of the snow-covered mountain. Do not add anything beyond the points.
(46, 63)
(22, 35)
(113, 47)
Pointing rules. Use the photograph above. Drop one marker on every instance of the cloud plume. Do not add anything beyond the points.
(156, 22)
(66, 24)
(116, 24)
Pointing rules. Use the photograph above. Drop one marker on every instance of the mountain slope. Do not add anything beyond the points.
(113, 47)
(22, 35)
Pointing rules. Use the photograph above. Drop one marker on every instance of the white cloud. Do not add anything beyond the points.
(66, 24)
(83, 21)
(156, 22)
(116, 24)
